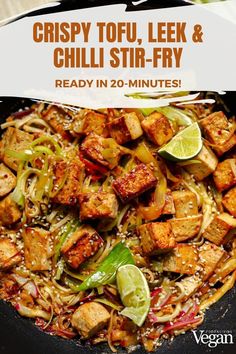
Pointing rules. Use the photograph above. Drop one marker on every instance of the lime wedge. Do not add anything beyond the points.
(134, 293)
(184, 145)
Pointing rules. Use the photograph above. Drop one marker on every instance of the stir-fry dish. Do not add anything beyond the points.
(118, 225)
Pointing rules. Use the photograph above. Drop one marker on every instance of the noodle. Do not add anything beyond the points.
(79, 212)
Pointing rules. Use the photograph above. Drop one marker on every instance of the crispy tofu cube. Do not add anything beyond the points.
(169, 207)
(219, 227)
(134, 183)
(81, 245)
(89, 123)
(229, 201)
(185, 203)
(224, 176)
(97, 205)
(90, 318)
(95, 122)
(156, 237)
(37, 248)
(207, 165)
(9, 254)
(190, 285)
(183, 259)
(7, 180)
(95, 148)
(228, 145)
(9, 211)
(71, 173)
(217, 128)
(158, 128)
(209, 257)
(125, 128)
(186, 228)
(59, 120)
(15, 140)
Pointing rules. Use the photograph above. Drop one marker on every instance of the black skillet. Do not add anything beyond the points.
(20, 335)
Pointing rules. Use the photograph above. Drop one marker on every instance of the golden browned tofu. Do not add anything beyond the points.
(209, 257)
(185, 203)
(9, 211)
(190, 284)
(219, 227)
(90, 318)
(89, 123)
(134, 183)
(229, 201)
(100, 150)
(156, 237)
(224, 176)
(9, 254)
(228, 145)
(157, 128)
(208, 163)
(169, 207)
(183, 259)
(59, 120)
(95, 122)
(217, 128)
(68, 175)
(7, 180)
(97, 205)
(125, 128)
(81, 245)
(186, 228)
(37, 248)
(15, 140)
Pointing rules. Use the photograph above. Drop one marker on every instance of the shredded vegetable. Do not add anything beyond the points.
(105, 274)
(103, 236)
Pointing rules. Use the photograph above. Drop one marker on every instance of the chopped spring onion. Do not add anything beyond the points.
(143, 153)
(74, 275)
(108, 303)
(29, 154)
(153, 211)
(72, 283)
(20, 155)
(49, 139)
(60, 269)
(173, 114)
(176, 115)
(106, 272)
(189, 162)
(68, 229)
(43, 149)
(18, 193)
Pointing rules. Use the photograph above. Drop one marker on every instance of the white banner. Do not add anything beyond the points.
(96, 57)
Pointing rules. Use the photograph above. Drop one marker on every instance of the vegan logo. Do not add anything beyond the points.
(212, 338)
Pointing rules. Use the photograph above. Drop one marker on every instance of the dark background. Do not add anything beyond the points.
(20, 335)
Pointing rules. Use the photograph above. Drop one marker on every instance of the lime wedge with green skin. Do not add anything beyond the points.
(134, 292)
(183, 146)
